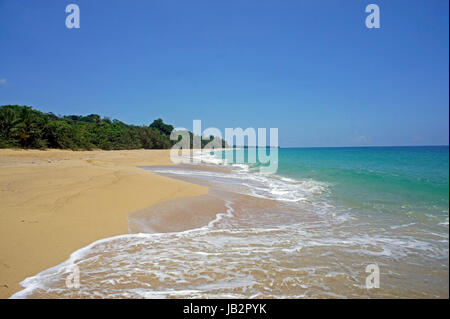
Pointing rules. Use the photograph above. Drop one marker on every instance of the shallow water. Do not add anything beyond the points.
(297, 234)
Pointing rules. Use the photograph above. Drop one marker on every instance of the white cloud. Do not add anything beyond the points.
(3, 81)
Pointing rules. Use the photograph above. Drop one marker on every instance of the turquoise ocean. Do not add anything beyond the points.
(389, 183)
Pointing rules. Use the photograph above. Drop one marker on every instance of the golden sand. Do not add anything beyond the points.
(54, 202)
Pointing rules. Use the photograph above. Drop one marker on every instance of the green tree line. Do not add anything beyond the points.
(25, 127)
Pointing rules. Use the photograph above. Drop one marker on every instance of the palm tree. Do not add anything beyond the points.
(8, 122)
(29, 130)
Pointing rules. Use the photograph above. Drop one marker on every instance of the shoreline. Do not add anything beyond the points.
(54, 201)
(245, 235)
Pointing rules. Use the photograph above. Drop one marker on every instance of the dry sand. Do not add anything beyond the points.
(54, 202)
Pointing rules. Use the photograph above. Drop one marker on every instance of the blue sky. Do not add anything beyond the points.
(310, 68)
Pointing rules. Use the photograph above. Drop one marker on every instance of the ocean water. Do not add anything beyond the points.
(308, 231)
(387, 182)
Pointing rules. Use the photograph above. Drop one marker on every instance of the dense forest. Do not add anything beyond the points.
(25, 127)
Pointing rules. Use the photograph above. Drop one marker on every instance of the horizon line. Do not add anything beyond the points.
(355, 146)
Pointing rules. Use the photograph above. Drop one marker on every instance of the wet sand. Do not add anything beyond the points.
(54, 202)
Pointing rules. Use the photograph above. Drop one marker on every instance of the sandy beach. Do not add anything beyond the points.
(54, 202)
(199, 231)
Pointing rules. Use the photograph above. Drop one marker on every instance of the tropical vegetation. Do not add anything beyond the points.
(25, 127)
